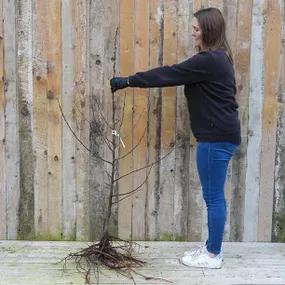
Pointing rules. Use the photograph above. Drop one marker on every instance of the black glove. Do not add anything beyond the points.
(117, 83)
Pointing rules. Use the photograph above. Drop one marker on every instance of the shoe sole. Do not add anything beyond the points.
(197, 266)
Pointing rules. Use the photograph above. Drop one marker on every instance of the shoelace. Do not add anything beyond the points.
(198, 252)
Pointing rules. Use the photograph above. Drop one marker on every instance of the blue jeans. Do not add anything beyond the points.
(212, 163)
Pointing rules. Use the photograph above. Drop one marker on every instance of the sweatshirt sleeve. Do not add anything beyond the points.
(192, 70)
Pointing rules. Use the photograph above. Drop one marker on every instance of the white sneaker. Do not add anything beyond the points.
(202, 248)
(202, 259)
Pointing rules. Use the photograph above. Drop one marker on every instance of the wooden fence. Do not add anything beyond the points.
(50, 186)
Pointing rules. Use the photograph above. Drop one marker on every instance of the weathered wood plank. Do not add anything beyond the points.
(54, 143)
(254, 123)
(25, 94)
(81, 107)
(229, 10)
(154, 116)
(68, 141)
(181, 186)
(12, 155)
(40, 118)
(141, 51)
(272, 48)
(3, 229)
(113, 104)
(102, 45)
(98, 191)
(126, 68)
(278, 233)
(242, 65)
(168, 122)
(195, 211)
(75, 103)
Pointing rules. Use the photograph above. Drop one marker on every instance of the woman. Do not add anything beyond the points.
(210, 90)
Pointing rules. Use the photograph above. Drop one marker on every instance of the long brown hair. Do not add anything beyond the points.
(213, 28)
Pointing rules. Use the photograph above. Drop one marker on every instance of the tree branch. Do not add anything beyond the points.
(133, 191)
(142, 168)
(77, 138)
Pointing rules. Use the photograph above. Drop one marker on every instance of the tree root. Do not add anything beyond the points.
(103, 254)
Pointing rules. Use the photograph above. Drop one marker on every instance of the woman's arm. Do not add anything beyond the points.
(189, 71)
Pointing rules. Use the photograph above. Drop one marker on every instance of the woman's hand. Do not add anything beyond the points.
(117, 83)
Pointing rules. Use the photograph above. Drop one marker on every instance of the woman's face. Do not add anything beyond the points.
(196, 34)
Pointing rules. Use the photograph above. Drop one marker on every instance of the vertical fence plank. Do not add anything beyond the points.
(102, 50)
(140, 119)
(278, 232)
(254, 123)
(12, 120)
(54, 119)
(195, 194)
(126, 68)
(154, 114)
(230, 14)
(272, 48)
(102, 46)
(242, 62)
(68, 141)
(81, 109)
(40, 118)
(3, 217)
(168, 116)
(181, 191)
(98, 189)
(25, 94)
(111, 47)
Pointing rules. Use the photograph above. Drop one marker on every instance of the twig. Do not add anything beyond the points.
(152, 278)
(134, 190)
(142, 168)
(76, 137)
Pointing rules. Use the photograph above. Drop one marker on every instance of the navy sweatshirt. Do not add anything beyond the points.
(209, 86)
